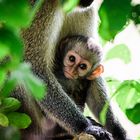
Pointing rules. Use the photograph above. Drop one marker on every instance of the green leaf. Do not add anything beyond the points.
(9, 104)
(2, 78)
(3, 50)
(134, 114)
(103, 113)
(31, 83)
(136, 85)
(135, 14)
(35, 86)
(121, 52)
(128, 93)
(12, 42)
(114, 15)
(15, 13)
(9, 86)
(19, 120)
(3, 120)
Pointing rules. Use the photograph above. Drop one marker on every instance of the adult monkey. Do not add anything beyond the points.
(40, 42)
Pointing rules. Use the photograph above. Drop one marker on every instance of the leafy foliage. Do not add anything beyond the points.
(15, 15)
(20, 120)
(8, 116)
(9, 40)
(13, 11)
(114, 15)
(129, 92)
(135, 15)
(133, 114)
(9, 104)
(120, 51)
(23, 75)
(3, 120)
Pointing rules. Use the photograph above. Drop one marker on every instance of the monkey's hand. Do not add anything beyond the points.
(97, 131)
(84, 136)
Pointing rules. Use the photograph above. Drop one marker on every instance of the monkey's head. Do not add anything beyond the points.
(81, 58)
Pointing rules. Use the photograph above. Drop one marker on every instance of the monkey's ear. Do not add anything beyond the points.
(96, 73)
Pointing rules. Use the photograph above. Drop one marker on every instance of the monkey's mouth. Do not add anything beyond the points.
(69, 76)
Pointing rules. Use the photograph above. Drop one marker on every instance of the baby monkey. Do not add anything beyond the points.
(78, 68)
(78, 62)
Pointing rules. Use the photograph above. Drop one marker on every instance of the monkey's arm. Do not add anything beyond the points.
(58, 105)
(97, 96)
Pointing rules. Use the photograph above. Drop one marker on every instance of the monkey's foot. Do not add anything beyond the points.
(84, 136)
(99, 133)
(97, 130)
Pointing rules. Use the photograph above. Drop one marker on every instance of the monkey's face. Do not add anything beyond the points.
(75, 66)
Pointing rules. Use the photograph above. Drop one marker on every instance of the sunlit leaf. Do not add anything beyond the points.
(129, 94)
(3, 120)
(121, 52)
(15, 13)
(19, 120)
(9, 104)
(134, 114)
(136, 85)
(114, 15)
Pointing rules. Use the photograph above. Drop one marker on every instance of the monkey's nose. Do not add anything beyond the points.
(73, 71)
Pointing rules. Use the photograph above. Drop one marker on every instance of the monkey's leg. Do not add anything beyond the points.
(97, 96)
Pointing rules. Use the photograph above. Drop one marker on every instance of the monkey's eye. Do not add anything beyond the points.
(83, 66)
(72, 58)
